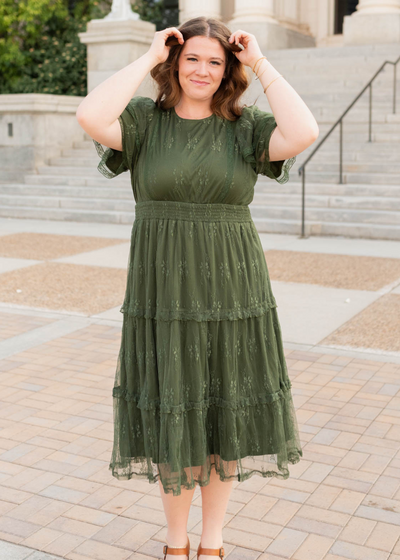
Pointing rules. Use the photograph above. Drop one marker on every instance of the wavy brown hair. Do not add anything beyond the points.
(225, 102)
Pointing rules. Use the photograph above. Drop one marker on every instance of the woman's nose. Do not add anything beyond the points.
(202, 69)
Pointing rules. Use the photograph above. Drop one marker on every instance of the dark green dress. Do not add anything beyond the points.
(201, 376)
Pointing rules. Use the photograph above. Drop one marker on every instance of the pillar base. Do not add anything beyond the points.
(273, 35)
(368, 29)
(112, 45)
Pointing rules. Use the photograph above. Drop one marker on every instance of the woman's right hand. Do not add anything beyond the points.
(158, 50)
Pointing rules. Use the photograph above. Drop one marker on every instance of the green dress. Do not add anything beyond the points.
(201, 378)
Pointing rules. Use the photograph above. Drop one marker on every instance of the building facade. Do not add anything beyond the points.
(304, 23)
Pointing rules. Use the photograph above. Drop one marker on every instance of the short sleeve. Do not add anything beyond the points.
(133, 120)
(254, 129)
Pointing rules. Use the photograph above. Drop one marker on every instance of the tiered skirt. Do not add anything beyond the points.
(201, 377)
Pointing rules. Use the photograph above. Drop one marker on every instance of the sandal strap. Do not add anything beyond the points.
(176, 550)
(211, 551)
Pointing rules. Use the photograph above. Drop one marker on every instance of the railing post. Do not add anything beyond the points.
(394, 88)
(370, 112)
(341, 152)
(303, 200)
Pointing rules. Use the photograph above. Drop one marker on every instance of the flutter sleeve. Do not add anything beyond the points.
(133, 120)
(254, 129)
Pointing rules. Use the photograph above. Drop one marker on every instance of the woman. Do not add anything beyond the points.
(201, 380)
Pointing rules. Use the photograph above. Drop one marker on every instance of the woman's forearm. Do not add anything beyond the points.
(105, 103)
(294, 118)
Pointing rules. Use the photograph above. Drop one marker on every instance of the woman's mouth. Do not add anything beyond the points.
(199, 83)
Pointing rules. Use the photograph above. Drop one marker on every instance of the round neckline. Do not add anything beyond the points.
(191, 120)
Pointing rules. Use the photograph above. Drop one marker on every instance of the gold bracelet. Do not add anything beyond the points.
(258, 77)
(258, 61)
(280, 76)
(257, 65)
(257, 68)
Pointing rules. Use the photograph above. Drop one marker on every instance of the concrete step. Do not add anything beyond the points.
(372, 210)
(371, 217)
(263, 187)
(94, 180)
(360, 150)
(326, 201)
(351, 230)
(67, 214)
(76, 176)
(263, 224)
(328, 166)
(84, 192)
(116, 200)
(334, 189)
(353, 178)
(87, 203)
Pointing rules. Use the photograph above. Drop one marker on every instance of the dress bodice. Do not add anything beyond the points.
(209, 160)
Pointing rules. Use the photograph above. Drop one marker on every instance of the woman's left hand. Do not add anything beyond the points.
(251, 52)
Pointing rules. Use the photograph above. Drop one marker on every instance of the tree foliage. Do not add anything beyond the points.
(40, 51)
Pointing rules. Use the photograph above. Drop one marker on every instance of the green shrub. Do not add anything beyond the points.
(40, 51)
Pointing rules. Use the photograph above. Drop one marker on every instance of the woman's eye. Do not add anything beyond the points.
(213, 61)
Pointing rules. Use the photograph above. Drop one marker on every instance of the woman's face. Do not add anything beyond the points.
(201, 67)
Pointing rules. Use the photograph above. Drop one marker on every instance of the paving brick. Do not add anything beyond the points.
(101, 551)
(357, 530)
(313, 526)
(287, 542)
(314, 547)
(347, 502)
(257, 507)
(281, 512)
(386, 486)
(317, 472)
(357, 552)
(64, 544)
(384, 536)
(41, 538)
(245, 539)
(269, 529)
(319, 514)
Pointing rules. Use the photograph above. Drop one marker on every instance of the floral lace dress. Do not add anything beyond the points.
(201, 378)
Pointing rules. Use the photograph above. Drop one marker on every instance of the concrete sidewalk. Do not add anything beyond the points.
(62, 285)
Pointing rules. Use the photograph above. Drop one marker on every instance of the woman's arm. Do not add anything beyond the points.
(297, 128)
(99, 111)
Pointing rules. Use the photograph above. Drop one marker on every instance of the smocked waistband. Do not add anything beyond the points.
(170, 209)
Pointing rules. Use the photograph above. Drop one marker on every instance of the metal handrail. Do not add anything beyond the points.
(301, 169)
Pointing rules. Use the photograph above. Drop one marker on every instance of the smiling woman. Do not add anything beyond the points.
(203, 76)
(202, 393)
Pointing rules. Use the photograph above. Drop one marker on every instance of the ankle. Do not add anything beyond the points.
(176, 539)
(211, 540)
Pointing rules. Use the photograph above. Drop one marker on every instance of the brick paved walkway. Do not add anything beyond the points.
(57, 364)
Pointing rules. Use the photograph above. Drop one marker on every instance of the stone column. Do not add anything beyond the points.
(259, 17)
(374, 22)
(114, 42)
(189, 9)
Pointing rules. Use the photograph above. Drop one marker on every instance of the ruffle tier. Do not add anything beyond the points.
(201, 377)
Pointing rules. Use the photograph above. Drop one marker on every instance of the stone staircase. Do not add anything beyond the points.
(367, 204)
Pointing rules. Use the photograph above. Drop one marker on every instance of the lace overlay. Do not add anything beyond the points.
(201, 376)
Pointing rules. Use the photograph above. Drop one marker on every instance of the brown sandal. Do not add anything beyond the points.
(177, 550)
(210, 551)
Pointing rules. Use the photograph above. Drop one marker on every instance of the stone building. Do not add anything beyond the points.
(304, 23)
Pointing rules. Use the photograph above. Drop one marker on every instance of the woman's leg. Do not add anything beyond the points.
(215, 498)
(177, 513)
